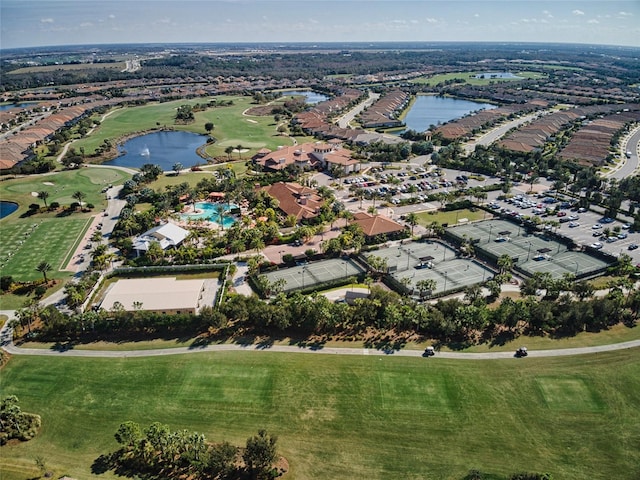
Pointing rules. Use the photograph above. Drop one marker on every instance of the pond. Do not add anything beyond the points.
(430, 110)
(214, 212)
(490, 75)
(10, 106)
(310, 97)
(7, 208)
(161, 148)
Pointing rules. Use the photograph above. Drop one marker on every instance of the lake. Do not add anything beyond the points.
(430, 110)
(161, 148)
(490, 75)
(7, 208)
(10, 106)
(310, 97)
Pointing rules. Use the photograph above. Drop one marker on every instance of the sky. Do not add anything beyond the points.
(29, 23)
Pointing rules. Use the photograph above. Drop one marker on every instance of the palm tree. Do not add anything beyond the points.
(177, 167)
(43, 195)
(505, 262)
(412, 219)
(79, 196)
(239, 148)
(229, 151)
(44, 267)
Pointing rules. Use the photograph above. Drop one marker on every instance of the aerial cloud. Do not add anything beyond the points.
(578, 12)
(46, 20)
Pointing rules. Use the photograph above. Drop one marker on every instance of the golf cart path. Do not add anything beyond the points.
(6, 343)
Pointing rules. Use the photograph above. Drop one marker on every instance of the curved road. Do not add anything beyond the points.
(629, 166)
(6, 342)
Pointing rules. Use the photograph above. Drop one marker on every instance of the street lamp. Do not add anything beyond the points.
(490, 228)
(577, 266)
(445, 282)
(408, 257)
(529, 251)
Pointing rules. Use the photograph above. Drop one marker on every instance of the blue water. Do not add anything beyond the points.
(212, 211)
(10, 106)
(310, 97)
(7, 208)
(490, 75)
(430, 110)
(161, 148)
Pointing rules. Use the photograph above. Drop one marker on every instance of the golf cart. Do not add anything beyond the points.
(522, 352)
(429, 352)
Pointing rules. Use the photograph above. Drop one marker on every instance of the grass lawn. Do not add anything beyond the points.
(27, 243)
(470, 79)
(451, 218)
(29, 240)
(60, 186)
(344, 416)
(232, 128)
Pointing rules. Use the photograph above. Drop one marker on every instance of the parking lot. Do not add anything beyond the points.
(584, 227)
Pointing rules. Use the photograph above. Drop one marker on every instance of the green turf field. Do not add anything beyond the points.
(344, 416)
(29, 240)
(470, 79)
(27, 243)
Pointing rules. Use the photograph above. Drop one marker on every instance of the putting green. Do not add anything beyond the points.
(569, 395)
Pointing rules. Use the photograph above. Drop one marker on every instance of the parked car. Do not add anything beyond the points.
(522, 352)
(633, 246)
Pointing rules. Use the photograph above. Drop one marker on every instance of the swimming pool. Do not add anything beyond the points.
(214, 212)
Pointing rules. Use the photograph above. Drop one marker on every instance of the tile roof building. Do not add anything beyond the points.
(373, 225)
(316, 155)
(302, 202)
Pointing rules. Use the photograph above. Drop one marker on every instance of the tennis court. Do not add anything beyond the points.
(416, 261)
(531, 253)
(305, 276)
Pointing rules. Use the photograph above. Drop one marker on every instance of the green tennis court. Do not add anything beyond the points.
(531, 252)
(413, 262)
(307, 275)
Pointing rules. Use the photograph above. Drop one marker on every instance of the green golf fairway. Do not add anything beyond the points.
(344, 416)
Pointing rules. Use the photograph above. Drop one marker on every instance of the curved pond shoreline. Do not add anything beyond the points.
(7, 208)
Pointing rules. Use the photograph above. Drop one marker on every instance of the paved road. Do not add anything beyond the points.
(629, 166)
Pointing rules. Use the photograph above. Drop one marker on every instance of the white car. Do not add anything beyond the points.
(626, 226)
(596, 226)
(596, 245)
(574, 224)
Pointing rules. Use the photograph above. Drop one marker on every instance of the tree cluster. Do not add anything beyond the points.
(159, 452)
(14, 423)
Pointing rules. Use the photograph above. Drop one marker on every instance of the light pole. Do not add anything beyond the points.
(302, 272)
(345, 269)
(445, 282)
(490, 228)
(408, 257)
(281, 256)
(577, 266)
(529, 251)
